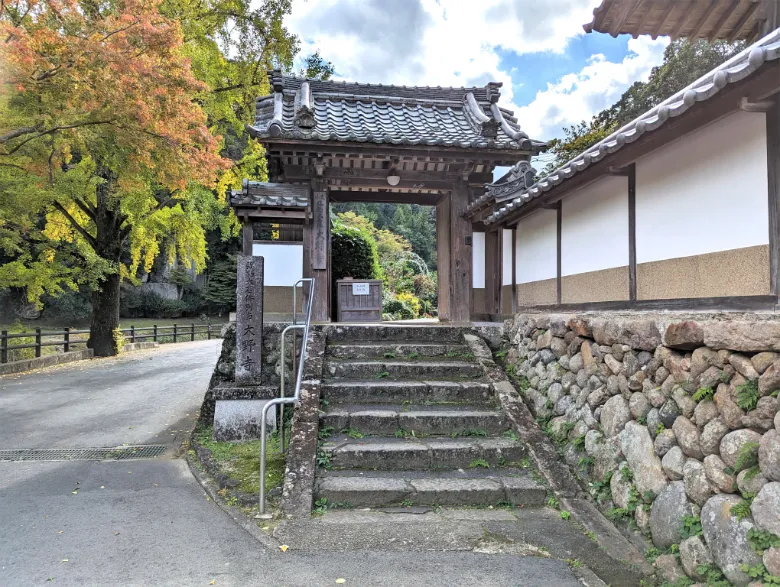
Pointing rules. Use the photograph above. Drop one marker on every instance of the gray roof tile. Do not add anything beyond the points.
(398, 115)
(270, 195)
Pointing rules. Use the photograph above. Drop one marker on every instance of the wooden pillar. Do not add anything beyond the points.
(247, 232)
(493, 249)
(460, 254)
(559, 252)
(514, 269)
(773, 183)
(319, 252)
(443, 255)
(632, 232)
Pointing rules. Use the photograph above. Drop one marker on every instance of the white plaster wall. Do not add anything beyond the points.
(506, 259)
(537, 247)
(283, 264)
(594, 227)
(704, 193)
(478, 260)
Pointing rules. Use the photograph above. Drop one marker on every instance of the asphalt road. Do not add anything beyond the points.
(148, 521)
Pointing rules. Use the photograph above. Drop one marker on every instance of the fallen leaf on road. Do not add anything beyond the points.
(212, 582)
(340, 581)
(64, 560)
(102, 487)
(59, 531)
(75, 492)
(283, 548)
(116, 533)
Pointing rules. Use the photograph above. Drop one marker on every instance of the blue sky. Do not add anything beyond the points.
(554, 74)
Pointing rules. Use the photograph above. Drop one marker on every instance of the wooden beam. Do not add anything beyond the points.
(514, 270)
(722, 21)
(641, 24)
(742, 20)
(421, 199)
(247, 233)
(773, 184)
(629, 6)
(733, 303)
(306, 172)
(667, 14)
(459, 154)
(704, 18)
(771, 11)
(559, 252)
(632, 231)
(680, 25)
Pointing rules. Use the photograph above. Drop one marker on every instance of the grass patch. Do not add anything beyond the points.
(241, 460)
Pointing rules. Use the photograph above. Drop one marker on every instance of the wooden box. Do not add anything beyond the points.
(359, 300)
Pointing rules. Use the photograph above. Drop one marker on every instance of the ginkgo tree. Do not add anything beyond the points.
(110, 148)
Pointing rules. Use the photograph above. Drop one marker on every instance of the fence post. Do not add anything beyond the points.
(192, 332)
(175, 333)
(132, 334)
(209, 331)
(4, 346)
(66, 340)
(155, 333)
(37, 342)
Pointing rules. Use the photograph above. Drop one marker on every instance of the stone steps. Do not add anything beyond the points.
(396, 369)
(408, 418)
(396, 350)
(347, 391)
(397, 333)
(399, 454)
(353, 488)
(389, 419)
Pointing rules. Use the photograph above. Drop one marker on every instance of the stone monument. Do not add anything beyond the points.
(249, 320)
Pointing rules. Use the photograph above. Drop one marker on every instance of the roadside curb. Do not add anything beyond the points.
(234, 513)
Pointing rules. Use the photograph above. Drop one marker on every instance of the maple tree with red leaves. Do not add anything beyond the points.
(108, 155)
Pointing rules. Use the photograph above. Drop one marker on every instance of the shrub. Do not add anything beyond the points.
(71, 306)
(353, 253)
(147, 304)
(20, 354)
(411, 302)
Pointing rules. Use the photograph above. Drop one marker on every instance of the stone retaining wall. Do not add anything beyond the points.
(671, 421)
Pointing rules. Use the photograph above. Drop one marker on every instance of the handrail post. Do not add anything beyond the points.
(132, 333)
(175, 333)
(192, 332)
(155, 333)
(209, 331)
(4, 346)
(280, 401)
(66, 340)
(37, 342)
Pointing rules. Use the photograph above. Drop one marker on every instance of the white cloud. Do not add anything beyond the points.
(457, 43)
(578, 96)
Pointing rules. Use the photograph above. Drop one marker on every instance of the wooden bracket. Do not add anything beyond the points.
(618, 171)
(746, 105)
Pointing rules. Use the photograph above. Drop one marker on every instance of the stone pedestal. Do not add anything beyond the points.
(249, 320)
(237, 419)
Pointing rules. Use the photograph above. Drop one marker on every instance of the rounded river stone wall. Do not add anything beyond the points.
(672, 424)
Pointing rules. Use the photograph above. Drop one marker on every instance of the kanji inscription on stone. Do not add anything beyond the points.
(249, 320)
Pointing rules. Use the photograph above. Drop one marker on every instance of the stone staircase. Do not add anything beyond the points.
(408, 419)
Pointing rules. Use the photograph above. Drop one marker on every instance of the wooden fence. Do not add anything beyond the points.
(66, 337)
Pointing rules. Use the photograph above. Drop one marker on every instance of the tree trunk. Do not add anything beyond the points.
(109, 237)
(105, 317)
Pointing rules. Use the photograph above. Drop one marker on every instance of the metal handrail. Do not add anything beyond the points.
(282, 400)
